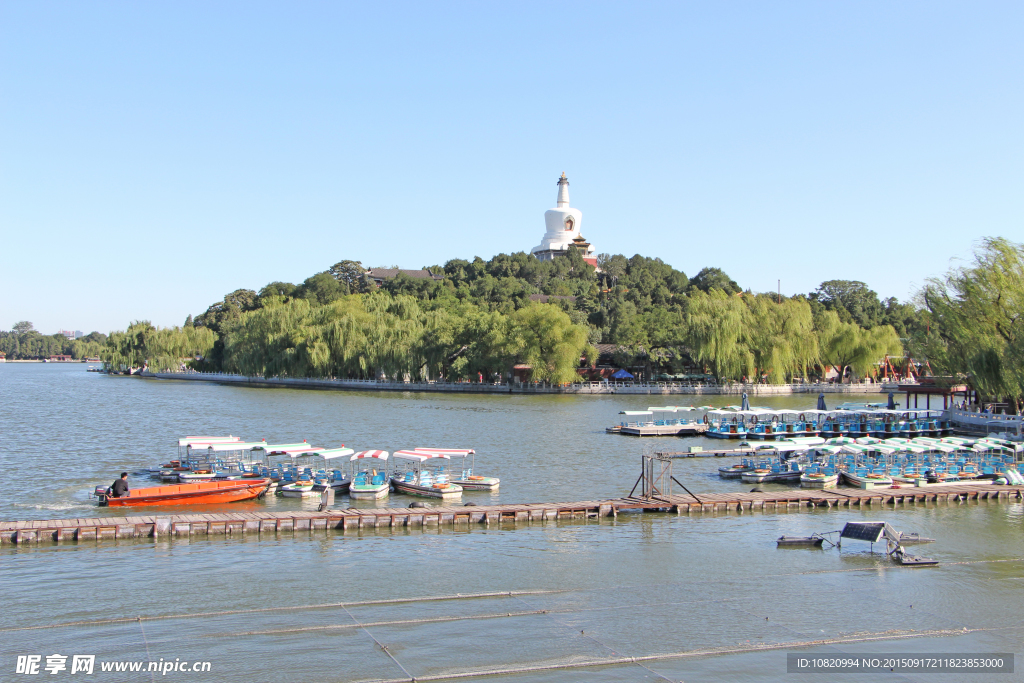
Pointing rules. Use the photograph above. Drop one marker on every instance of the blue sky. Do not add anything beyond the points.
(154, 156)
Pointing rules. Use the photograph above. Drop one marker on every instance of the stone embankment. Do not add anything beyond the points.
(582, 388)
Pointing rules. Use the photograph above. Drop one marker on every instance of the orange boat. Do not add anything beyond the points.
(200, 493)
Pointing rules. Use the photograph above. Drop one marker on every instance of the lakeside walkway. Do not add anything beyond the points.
(355, 520)
(581, 388)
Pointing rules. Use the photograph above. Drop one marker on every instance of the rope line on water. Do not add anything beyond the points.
(594, 639)
(149, 658)
(382, 646)
(396, 622)
(456, 596)
(324, 605)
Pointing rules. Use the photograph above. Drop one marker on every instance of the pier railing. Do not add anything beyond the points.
(975, 421)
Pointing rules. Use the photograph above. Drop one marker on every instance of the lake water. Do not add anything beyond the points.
(712, 590)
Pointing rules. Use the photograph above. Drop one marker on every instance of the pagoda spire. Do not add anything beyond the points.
(563, 191)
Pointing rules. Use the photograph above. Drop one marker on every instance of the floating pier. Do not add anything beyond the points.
(689, 429)
(355, 520)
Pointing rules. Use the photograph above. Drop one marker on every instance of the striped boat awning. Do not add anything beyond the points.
(420, 455)
(445, 451)
(379, 455)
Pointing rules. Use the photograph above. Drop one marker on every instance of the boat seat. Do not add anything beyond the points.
(378, 479)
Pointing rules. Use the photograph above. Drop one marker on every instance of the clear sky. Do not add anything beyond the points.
(155, 156)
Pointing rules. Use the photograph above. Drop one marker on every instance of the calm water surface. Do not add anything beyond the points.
(712, 588)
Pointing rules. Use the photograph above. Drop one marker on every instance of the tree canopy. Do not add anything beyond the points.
(977, 314)
(483, 317)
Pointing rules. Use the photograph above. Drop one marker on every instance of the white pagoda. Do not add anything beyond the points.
(563, 229)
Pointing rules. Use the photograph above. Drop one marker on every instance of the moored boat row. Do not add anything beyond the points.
(869, 462)
(214, 469)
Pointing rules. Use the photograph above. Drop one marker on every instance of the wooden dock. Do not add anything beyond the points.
(688, 429)
(356, 520)
(713, 453)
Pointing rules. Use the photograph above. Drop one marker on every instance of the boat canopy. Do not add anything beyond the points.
(326, 453)
(785, 447)
(227, 446)
(289, 448)
(635, 412)
(445, 451)
(378, 455)
(807, 440)
(419, 456)
(189, 440)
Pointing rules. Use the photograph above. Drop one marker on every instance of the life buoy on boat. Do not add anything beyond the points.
(802, 418)
(705, 418)
(475, 477)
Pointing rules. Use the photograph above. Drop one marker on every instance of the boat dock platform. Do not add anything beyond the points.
(358, 520)
(716, 453)
(686, 429)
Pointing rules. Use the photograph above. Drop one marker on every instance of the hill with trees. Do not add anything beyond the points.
(484, 317)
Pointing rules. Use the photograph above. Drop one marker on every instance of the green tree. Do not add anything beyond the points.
(978, 316)
(780, 337)
(713, 278)
(854, 298)
(348, 273)
(716, 333)
(545, 338)
(847, 345)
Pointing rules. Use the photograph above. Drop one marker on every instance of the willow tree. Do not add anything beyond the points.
(127, 350)
(265, 342)
(780, 337)
(550, 343)
(847, 345)
(167, 347)
(978, 314)
(393, 335)
(716, 332)
(161, 348)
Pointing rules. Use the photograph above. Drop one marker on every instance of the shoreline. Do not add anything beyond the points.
(582, 389)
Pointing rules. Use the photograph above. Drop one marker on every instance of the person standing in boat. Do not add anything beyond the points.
(120, 486)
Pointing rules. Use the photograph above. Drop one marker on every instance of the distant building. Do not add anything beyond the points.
(71, 334)
(380, 275)
(60, 359)
(563, 225)
(3, 357)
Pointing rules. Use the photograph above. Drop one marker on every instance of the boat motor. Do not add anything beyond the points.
(101, 493)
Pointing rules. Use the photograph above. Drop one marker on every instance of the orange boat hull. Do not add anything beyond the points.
(200, 493)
